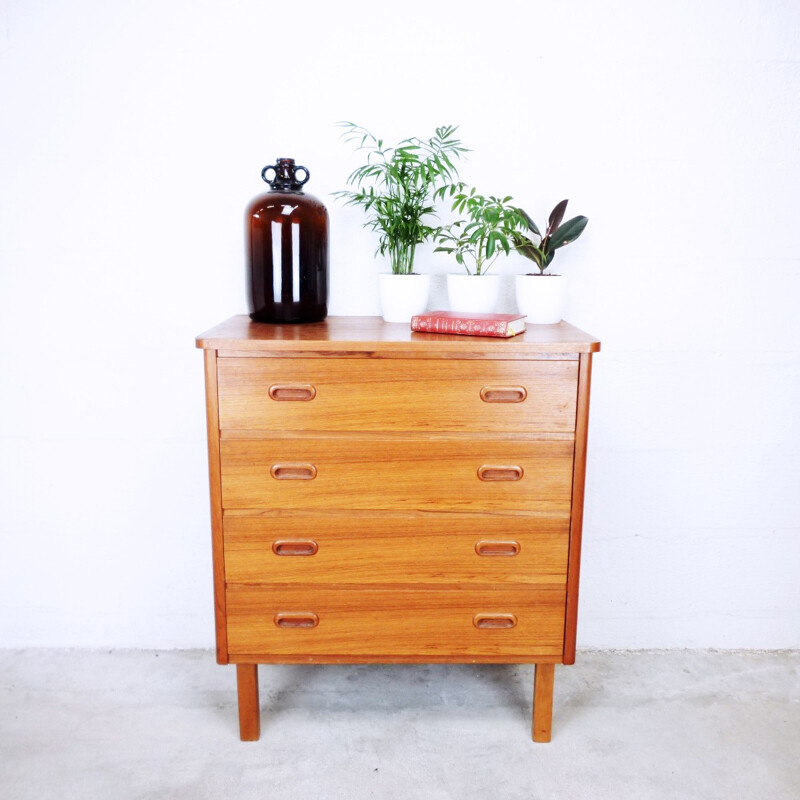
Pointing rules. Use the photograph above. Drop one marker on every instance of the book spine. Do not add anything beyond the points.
(466, 327)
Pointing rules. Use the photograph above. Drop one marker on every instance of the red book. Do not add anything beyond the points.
(502, 325)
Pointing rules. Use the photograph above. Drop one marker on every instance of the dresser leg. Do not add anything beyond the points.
(543, 680)
(249, 710)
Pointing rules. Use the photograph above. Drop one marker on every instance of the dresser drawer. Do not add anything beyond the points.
(403, 474)
(382, 623)
(393, 548)
(400, 394)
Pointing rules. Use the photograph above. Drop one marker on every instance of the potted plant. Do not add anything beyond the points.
(395, 187)
(486, 230)
(542, 296)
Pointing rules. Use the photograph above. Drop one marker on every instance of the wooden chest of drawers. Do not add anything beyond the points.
(379, 495)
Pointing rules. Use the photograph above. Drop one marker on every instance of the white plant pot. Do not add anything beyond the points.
(473, 293)
(541, 298)
(402, 296)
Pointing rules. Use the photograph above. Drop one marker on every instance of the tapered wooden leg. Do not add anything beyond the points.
(544, 678)
(249, 711)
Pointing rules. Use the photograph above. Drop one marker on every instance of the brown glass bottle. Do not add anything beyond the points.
(287, 250)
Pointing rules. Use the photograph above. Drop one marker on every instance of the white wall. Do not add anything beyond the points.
(132, 137)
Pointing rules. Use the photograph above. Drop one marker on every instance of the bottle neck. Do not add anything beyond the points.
(284, 175)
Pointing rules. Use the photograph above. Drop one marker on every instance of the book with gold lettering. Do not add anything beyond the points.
(501, 325)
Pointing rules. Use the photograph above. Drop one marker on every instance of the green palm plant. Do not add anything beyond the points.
(543, 250)
(396, 185)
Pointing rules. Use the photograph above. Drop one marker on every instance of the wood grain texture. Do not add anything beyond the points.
(391, 548)
(358, 471)
(388, 658)
(409, 474)
(399, 395)
(543, 684)
(473, 354)
(576, 525)
(402, 622)
(371, 336)
(215, 492)
(249, 706)
(397, 436)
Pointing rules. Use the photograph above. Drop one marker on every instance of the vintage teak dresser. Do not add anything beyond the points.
(384, 496)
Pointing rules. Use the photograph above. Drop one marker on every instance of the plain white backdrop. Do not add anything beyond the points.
(132, 135)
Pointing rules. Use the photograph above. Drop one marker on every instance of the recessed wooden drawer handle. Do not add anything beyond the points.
(296, 619)
(294, 547)
(292, 391)
(494, 621)
(503, 394)
(495, 472)
(293, 472)
(491, 548)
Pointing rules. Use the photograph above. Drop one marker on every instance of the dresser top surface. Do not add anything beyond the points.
(373, 335)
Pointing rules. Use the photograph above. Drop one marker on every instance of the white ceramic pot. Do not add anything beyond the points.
(541, 298)
(473, 293)
(402, 296)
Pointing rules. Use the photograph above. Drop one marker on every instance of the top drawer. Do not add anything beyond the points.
(347, 394)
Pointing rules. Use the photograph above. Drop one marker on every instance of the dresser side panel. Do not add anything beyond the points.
(576, 524)
(215, 494)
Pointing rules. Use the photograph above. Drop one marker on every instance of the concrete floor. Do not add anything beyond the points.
(133, 724)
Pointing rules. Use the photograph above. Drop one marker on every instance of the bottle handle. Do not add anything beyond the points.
(281, 179)
(305, 180)
(264, 177)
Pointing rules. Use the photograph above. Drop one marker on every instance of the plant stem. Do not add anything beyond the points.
(402, 259)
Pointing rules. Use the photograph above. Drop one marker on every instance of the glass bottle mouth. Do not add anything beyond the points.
(284, 170)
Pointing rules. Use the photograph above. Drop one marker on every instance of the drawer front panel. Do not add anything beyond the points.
(359, 473)
(392, 548)
(394, 622)
(398, 395)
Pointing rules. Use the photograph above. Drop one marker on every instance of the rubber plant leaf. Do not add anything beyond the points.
(568, 232)
(525, 247)
(556, 215)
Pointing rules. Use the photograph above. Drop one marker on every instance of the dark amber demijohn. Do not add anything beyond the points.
(287, 249)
